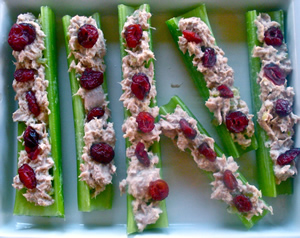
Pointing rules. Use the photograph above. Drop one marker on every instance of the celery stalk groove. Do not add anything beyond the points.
(230, 146)
(170, 108)
(266, 177)
(85, 202)
(123, 12)
(22, 206)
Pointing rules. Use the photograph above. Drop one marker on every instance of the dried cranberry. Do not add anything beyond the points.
(21, 35)
(225, 91)
(27, 176)
(24, 75)
(32, 103)
(242, 203)
(230, 180)
(236, 121)
(187, 130)
(102, 153)
(140, 85)
(33, 153)
(209, 58)
(145, 122)
(97, 112)
(208, 152)
(288, 156)
(191, 36)
(158, 190)
(31, 137)
(91, 79)
(283, 107)
(141, 154)
(275, 74)
(133, 35)
(87, 35)
(273, 36)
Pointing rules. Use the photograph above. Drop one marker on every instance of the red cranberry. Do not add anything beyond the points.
(24, 75)
(33, 153)
(273, 36)
(208, 152)
(21, 35)
(32, 103)
(27, 176)
(225, 91)
(31, 137)
(230, 180)
(242, 203)
(288, 156)
(236, 121)
(91, 79)
(158, 190)
(145, 122)
(140, 85)
(275, 74)
(133, 35)
(102, 153)
(87, 35)
(191, 36)
(282, 107)
(209, 58)
(97, 112)
(141, 154)
(187, 130)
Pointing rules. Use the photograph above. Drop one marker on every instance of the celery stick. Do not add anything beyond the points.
(85, 202)
(170, 108)
(230, 146)
(22, 206)
(123, 12)
(266, 177)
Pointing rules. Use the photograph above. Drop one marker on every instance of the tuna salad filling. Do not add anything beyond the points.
(209, 59)
(275, 115)
(227, 186)
(140, 128)
(30, 85)
(99, 135)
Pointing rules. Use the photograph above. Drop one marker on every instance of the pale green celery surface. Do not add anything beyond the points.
(22, 206)
(170, 108)
(84, 194)
(123, 12)
(266, 177)
(230, 146)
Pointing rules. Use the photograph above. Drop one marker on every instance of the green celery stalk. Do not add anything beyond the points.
(266, 177)
(123, 12)
(85, 201)
(170, 108)
(22, 206)
(232, 148)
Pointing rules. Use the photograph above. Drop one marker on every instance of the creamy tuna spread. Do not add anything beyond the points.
(31, 57)
(278, 128)
(139, 60)
(171, 128)
(96, 175)
(215, 75)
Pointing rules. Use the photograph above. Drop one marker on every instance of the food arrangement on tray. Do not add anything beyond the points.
(268, 130)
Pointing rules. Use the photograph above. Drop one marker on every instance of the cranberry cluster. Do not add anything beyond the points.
(21, 35)
(26, 173)
(133, 35)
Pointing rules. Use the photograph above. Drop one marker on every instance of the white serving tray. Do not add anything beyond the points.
(191, 211)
